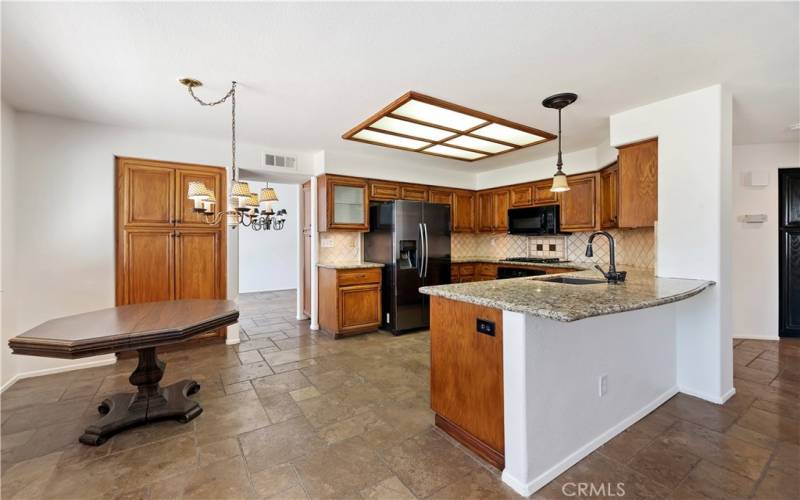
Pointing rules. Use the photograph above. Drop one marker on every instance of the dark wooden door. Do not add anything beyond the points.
(789, 237)
(148, 267)
(500, 206)
(463, 212)
(638, 184)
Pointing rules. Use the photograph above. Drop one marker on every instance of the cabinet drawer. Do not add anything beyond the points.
(487, 270)
(384, 190)
(413, 192)
(359, 276)
(467, 270)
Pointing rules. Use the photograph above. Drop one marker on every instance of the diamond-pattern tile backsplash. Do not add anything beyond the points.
(635, 247)
(346, 247)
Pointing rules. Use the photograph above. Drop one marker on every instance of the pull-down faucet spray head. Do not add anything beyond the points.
(589, 252)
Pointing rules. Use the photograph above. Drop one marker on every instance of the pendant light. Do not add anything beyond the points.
(559, 102)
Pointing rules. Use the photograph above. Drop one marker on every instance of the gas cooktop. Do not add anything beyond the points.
(536, 260)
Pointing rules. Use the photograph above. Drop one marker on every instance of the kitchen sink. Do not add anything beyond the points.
(567, 280)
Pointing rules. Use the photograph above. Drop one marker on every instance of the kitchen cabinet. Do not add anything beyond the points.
(342, 203)
(349, 301)
(440, 196)
(500, 205)
(521, 196)
(486, 272)
(384, 191)
(463, 272)
(607, 196)
(485, 212)
(413, 192)
(638, 184)
(579, 204)
(165, 250)
(493, 211)
(542, 194)
(463, 212)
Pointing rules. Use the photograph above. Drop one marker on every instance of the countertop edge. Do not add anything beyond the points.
(566, 317)
(351, 265)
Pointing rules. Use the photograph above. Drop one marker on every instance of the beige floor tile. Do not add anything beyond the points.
(388, 489)
(279, 443)
(274, 480)
(226, 479)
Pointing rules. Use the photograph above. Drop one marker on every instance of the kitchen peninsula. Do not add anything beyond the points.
(534, 373)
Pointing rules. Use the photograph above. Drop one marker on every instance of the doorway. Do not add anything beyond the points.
(789, 257)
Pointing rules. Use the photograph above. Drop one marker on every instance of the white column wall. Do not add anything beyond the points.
(694, 217)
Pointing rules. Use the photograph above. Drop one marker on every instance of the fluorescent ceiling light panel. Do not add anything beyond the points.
(425, 124)
(407, 128)
(436, 115)
(391, 140)
(466, 141)
(507, 134)
(454, 152)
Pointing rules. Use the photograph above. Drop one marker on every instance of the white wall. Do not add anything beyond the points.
(694, 219)
(584, 160)
(755, 246)
(268, 259)
(7, 223)
(67, 267)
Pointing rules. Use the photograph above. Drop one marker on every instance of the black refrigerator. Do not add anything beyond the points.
(412, 240)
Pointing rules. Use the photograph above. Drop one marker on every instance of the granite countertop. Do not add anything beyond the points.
(565, 302)
(350, 265)
(491, 260)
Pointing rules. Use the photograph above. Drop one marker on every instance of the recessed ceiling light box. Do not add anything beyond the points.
(431, 126)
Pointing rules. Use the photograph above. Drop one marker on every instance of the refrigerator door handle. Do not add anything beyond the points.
(421, 252)
(425, 228)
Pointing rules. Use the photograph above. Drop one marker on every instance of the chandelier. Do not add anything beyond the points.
(249, 209)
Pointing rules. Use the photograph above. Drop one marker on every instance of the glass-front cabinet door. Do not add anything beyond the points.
(347, 204)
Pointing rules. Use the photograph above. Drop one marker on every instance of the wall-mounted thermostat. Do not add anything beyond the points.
(753, 218)
(756, 178)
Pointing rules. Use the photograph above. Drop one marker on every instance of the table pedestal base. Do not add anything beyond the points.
(150, 404)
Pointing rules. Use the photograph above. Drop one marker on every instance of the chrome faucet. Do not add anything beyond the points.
(612, 275)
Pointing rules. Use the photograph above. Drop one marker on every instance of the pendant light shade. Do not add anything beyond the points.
(197, 191)
(268, 194)
(240, 189)
(559, 102)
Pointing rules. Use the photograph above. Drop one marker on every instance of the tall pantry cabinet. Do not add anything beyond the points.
(164, 250)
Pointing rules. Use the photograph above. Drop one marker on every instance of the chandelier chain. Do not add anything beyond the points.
(232, 95)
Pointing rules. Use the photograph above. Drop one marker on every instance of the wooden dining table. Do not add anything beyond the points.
(140, 327)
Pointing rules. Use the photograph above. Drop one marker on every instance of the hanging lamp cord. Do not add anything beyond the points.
(559, 163)
(232, 95)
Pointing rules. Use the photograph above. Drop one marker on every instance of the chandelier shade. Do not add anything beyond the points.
(198, 191)
(268, 194)
(240, 189)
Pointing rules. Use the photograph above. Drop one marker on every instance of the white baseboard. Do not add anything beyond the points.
(711, 398)
(529, 488)
(232, 341)
(756, 337)
(59, 369)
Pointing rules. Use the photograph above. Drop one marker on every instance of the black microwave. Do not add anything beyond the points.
(534, 220)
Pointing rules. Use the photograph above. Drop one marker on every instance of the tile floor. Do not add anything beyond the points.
(291, 414)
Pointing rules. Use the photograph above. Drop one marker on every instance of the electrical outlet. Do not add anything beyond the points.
(603, 385)
(326, 242)
(485, 327)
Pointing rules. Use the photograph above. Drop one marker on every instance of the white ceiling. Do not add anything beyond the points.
(308, 72)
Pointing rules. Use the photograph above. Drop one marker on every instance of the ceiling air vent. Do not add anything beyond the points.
(271, 160)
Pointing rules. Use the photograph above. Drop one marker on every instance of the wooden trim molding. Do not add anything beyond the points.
(472, 443)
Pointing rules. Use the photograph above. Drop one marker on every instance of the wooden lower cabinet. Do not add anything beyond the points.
(349, 301)
(197, 267)
(146, 266)
(467, 377)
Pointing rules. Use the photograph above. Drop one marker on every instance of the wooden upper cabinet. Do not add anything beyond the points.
(486, 212)
(186, 216)
(148, 191)
(521, 196)
(578, 205)
(638, 184)
(413, 192)
(384, 191)
(146, 271)
(607, 196)
(198, 254)
(463, 212)
(440, 196)
(542, 194)
(500, 201)
(343, 203)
